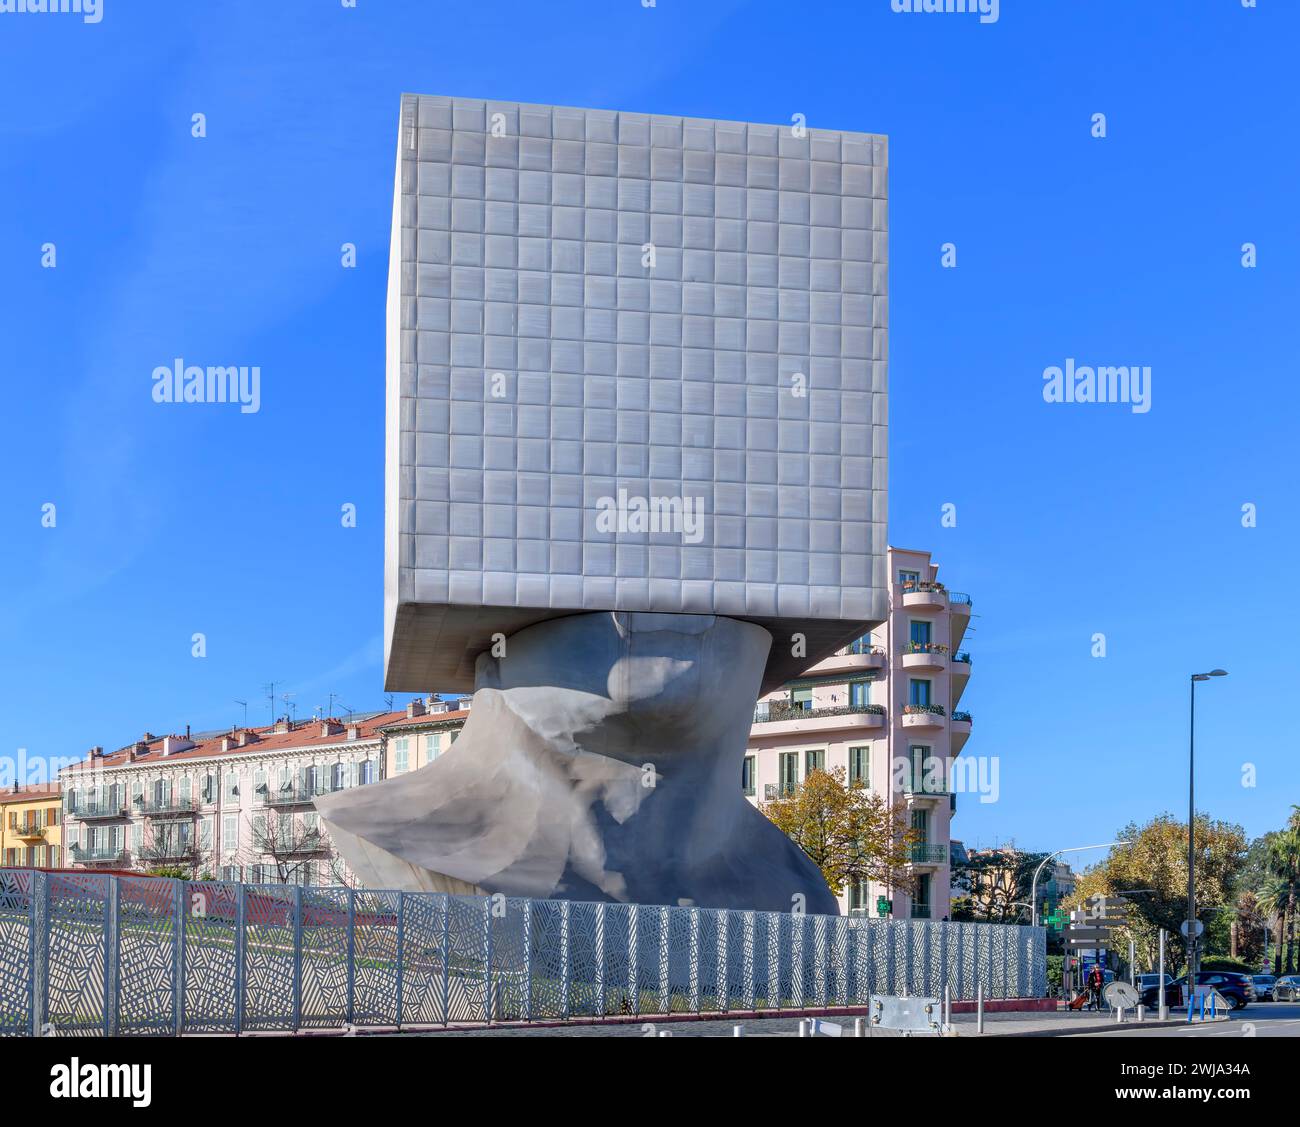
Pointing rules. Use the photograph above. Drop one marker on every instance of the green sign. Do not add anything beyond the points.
(883, 906)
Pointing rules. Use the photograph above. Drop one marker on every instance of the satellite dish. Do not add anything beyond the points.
(1120, 996)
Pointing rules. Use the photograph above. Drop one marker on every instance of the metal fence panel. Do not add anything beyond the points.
(19, 932)
(92, 953)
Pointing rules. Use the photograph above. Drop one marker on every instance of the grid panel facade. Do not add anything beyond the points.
(600, 305)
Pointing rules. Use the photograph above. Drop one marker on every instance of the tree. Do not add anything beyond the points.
(997, 883)
(1281, 884)
(168, 848)
(1153, 869)
(849, 832)
(1251, 924)
(294, 843)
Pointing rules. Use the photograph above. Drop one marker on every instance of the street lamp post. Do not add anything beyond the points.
(1033, 886)
(1193, 940)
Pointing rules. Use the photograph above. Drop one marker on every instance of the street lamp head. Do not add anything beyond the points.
(1211, 673)
(1218, 672)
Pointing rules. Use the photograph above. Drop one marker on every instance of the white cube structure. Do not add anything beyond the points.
(635, 363)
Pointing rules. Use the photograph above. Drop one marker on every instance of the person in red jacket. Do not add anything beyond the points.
(1095, 981)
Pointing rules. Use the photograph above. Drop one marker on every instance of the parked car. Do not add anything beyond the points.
(1236, 989)
(1264, 984)
(1148, 987)
(1287, 988)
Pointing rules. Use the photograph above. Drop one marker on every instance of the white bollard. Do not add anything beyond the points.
(859, 1027)
(665, 1033)
(737, 1030)
(1142, 1010)
(803, 1028)
(947, 1005)
(979, 1008)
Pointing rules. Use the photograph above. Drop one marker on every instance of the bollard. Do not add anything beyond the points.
(947, 1005)
(859, 1025)
(803, 1028)
(979, 1008)
(1141, 1013)
(1119, 1015)
(737, 1030)
(665, 1033)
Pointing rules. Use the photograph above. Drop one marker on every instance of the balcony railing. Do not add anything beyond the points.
(162, 807)
(922, 786)
(863, 646)
(27, 830)
(85, 856)
(291, 796)
(777, 712)
(924, 709)
(923, 585)
(925, 648)
(301, 847)
(962, 717)
(920, 911)
(961, 656)
(929, 853)
(89, 811)
(180, 851)
(958, 598)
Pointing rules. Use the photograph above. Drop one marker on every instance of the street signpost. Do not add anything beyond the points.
(1187, 926)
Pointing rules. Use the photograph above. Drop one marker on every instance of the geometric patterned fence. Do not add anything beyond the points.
(86, 953)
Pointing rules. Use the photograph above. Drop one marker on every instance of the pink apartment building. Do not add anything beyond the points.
(886, 710)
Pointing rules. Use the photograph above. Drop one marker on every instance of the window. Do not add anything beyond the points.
(814, 760)
(747, 775)
(859, 895)
(137, 793)
(231, 790)
(920, 633)
(230, 872)
(259, 781)
(860, 766)
(187, 789)
(209, 788)
(205, 834)
(922, 898)
(368, 771)
(401, 755)
(921, 823)
(229, 833)
(432, 746)
(801, 699)
(918, 693)
(859, 694)
(909, 577)
(137, 838)
(340, 776)
(789, 773)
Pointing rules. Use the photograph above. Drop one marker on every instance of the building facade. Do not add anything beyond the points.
(239, 804)
(886, 711)
(31, 834)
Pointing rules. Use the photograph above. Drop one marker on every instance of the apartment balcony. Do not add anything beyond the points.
(930, 854)
(921, 912)
(960, 730)
(99, 856)
(924, 657)
(182, 851)
(306, 846)
(28, 832)
(168, 808)
(290, 796)
(99, 811)
(779, 720)
(925, 596)
(923, 717)
(857, 657)
(921, 793)
(959, 606)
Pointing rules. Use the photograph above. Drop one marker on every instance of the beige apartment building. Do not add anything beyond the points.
(886, 710)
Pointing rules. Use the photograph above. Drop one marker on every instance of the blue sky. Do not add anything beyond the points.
(1072, 519)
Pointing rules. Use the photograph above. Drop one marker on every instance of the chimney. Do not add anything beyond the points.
(97, 752)
(282, 725)
(414, 708)
(226, 743)
(187, 731)
(330, 727)
(354, 732)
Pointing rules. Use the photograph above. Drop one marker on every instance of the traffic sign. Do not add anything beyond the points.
(1186, 926)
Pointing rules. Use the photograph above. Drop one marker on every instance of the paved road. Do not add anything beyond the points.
(1259, 1019)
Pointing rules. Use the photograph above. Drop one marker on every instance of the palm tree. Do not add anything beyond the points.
(1279, 894)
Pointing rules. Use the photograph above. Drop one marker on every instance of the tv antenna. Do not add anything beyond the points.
(245, 704)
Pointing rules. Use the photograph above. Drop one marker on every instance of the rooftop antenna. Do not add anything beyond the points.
(291, 705)
(333, 698)
(270, 695)
(388, 700)
(349, 708)
(245, 704)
